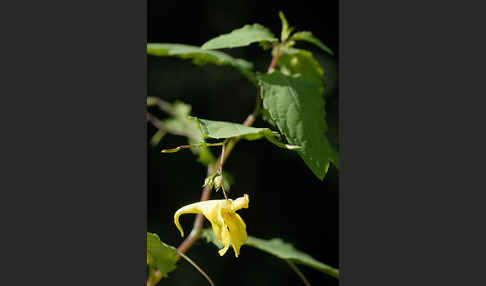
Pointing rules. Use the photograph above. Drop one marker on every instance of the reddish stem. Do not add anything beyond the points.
(156, 275)
(273, 64)
(199, 220)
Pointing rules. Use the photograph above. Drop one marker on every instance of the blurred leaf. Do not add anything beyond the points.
(308, 37)
(295, 61)
(181, 109)
(278, 248)
(241, 37)
(223, 130)
(228, 180)
(286, 30)
(205, 156)
(180, 125)
(208, 234)
(297, 108)
(164, 256)
(151, 101)
(284, 250)
(200, 56)
(154, 141)
(266, 45)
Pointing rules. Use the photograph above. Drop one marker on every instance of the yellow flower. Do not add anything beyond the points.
(227, 224)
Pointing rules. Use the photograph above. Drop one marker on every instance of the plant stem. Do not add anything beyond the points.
(193, 236)
(199, 220)
(154, 277)
(198, 268)
(197, 227)
(275, 58)
(297, 270)
(177, 149)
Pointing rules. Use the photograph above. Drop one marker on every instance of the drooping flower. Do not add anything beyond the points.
(227, 224)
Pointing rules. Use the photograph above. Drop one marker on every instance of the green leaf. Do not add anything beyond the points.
(308, 37)
(180, 125)
(164, 256)
(181, 109)
(154, 141)
(283, 250)
(286, 30)
(223, 130)
(241, 37)
(205, 156)
(200, 56)
(297, 109)
(278, 248)
(296, 61)
(266, 116)
(208, 234)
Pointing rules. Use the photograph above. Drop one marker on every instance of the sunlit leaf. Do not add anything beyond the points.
(223, 130)
(296, 61)
(309, 37)
(241, 37)
(297, 109)
(280, 249)
(164, 256)
(200, 56)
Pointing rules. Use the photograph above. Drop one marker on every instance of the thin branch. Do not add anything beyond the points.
(198, 268)
(155, 121)
(154, 277)
(164, 105)
(220, 171)
(177, 149)
(297, 270)
(199, 220)
(273, 64)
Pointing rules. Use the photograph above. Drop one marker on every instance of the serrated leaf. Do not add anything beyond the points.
(241, 37)
(297, 109)
(200, 56)
(222, 130)
(296, 61)
(308, 37)
(164, 256)
(266, 116)
(278, 248)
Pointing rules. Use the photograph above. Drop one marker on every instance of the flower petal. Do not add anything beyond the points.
(204, 208)
(239, 203)
(220, 228)
(237, 231)
(225, 239)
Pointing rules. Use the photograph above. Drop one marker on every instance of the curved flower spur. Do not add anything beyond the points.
(227, 225)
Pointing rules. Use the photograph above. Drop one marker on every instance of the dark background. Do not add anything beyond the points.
(286, 199)
(74, 147)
